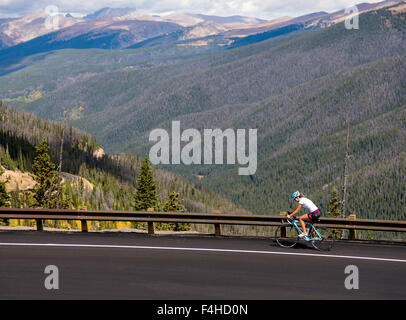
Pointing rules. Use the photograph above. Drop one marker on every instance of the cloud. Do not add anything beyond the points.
(258, 8)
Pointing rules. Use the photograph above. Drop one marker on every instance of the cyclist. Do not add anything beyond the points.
(312, 216)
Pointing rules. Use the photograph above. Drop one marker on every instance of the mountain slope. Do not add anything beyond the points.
(302, 145)
(244, 75)
(88, 34)
(297, 90)
(116, 28)
(31, 26)
(112, 177)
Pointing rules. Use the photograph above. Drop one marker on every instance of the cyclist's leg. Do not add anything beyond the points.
(304, 218)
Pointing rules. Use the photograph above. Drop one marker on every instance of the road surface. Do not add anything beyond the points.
(140, 266)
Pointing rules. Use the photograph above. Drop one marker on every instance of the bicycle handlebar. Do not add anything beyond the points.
(291, 219)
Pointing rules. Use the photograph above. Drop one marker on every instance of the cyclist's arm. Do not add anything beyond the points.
(296, 211)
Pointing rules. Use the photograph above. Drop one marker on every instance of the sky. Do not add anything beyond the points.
(265, 9)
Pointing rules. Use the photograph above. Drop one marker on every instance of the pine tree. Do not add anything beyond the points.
(45, 176)
(146, 194)
(334, 205)
(4, 197)
(66, 198)
(174, 204)
(335, 211)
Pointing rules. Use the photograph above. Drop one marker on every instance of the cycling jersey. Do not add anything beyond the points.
(308, 204)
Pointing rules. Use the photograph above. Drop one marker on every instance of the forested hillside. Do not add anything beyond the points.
(149, 97)
(297, 90)
(111, 180)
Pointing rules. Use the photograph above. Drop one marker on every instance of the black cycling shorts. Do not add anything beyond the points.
(314, 216)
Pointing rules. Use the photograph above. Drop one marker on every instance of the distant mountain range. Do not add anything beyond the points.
(109, 13)
(118, 28)
(14, 31)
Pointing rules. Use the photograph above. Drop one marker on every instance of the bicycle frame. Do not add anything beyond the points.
(309, 225)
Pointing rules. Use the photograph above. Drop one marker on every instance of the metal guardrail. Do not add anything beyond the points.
(217, 219)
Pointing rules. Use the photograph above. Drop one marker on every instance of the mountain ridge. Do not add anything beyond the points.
(297, 90)
(20, 30)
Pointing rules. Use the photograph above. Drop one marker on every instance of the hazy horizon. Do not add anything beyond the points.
(251, 8)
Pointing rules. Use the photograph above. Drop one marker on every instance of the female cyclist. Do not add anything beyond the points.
(312, 216)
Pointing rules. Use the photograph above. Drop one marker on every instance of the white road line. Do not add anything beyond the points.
(69, 245)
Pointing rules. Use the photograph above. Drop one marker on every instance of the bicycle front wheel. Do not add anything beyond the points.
(286, 236)
(326, 241)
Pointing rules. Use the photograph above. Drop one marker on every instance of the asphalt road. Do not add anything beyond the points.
(139, 266)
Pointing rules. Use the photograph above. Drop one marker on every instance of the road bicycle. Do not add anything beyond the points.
(287, 235)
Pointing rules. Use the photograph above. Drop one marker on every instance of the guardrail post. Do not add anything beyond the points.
(283, 232)
(283, 229)
(40, 226)
(217, 229)
(84, 225)
(217, 226)
(151, 229)
(352, 235)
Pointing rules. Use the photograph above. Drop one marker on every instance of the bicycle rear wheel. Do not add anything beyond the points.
(327, 239)
(286, 235)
